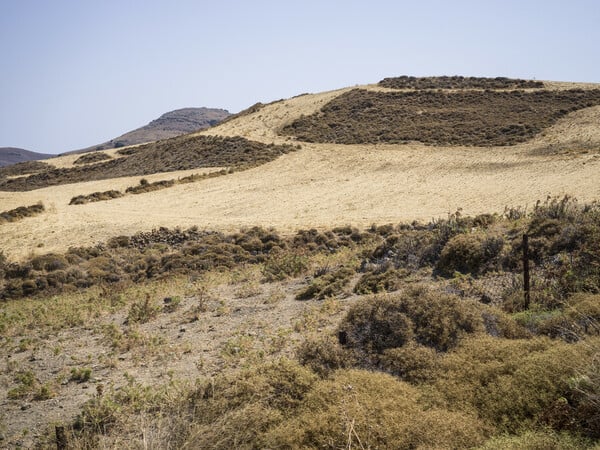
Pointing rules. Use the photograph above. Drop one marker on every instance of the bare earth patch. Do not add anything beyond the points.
(202, 327)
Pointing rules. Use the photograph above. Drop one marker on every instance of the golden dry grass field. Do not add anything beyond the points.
(322, 185)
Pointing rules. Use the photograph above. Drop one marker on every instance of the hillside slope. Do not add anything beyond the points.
(12, 155)
(326, 184)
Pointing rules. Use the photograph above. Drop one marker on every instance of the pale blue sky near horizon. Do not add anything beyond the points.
(74, 73)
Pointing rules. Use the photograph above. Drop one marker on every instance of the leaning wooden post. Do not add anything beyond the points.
(61, 438)
(526, 287)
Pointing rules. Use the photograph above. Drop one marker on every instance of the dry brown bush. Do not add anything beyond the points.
(429, 318)
(372, 410)
(21, 212)
(94, 157)
(458, 82)
(95, 197)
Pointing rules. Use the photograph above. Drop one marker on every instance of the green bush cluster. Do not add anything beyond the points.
(23, 168)
(378, 281)
(470, 254)
(148, 255)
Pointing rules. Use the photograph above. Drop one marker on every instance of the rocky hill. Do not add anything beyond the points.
(12, 155)
(171, 124)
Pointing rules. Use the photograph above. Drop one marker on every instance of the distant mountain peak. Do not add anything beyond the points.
(13, 155)
(170, 124)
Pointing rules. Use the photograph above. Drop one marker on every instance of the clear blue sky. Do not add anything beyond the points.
(77, 73)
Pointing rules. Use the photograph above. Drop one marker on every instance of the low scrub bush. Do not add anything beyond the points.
(23, 168)
(144, 186)
(324, 355)
(143, 311)
(511, 384)
(458, 82)
(470, 254)
(236, 411)
(95, 197)
(94, 157)
(284, 264)
(81, 374)
(419, 315)
(21, 212)
(374, 282)
(371, 410)
(547, 439)
(413, 363)
(327, 285)
(49, 262)
(179, 153)
(578, 317)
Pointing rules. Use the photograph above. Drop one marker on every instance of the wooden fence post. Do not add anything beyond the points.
(61, 438)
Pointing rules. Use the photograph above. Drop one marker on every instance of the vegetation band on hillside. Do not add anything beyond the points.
(180, 153)
(458, 82)
(473, 118)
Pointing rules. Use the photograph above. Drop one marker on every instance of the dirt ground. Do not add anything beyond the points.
(219, 325)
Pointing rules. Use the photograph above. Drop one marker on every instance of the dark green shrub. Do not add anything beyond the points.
(462, 253)
(480, 118)
(377, 324)
(145, 186)
(457, 82)
(470, 254)
(95, 197)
